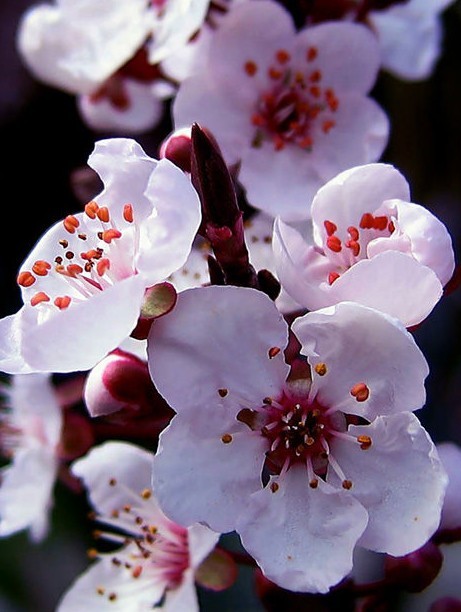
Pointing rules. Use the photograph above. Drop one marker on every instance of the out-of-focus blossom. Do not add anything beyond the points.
(154, 559)
(302, 467)
(30, 432)
(95, 53)
(369, 244)
(290, 107)
(410, 36)
(84, 282)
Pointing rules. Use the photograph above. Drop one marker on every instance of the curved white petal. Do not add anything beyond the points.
(77, 338)
(208, 480)
(302, 538)
(400, 480)
(362, 345)
(218, 338)
(128, 464)
(26, 492)
(11, 335)
(105, 586)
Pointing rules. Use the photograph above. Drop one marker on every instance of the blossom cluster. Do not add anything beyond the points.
(236, 310)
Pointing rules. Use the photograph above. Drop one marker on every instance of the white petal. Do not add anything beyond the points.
(302, 538)
(78, 337)
(166, 236)
(359, 344)
(208, 481)
(450, 454)
(358, 190)
(217, 338)
(26, 492)
(399, 480)
(184, 597)
(128, 464)
(131, 594)
(11, 335)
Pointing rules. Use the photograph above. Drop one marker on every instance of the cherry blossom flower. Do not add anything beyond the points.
(304, 468)
(370, 244)
(410, 37)
(30, 431)
(96, 55)
(155, 559)
(83, 283)
(291, 108)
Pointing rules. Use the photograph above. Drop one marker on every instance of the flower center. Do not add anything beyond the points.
(153, 546)
(344, 253)
(295, 106)
(89, 258)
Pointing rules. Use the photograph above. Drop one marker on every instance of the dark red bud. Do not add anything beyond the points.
(415, 571)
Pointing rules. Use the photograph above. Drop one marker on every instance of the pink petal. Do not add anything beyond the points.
(218, 338)
(399, 480)
(208, 480)
(362, 345)
(302, 538)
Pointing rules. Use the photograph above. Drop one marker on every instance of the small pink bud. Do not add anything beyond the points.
(120, 380)
(177, 148)
(417, 570)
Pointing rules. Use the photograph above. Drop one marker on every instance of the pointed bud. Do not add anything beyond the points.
(178, 148)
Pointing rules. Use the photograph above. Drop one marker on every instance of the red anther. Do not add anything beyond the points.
(71, 223)
(380, 223)
(327, 125)
(331, 100)
(258, 120)
(353, 232)
(282, 56)
(250, 67)
(25, 279)
(128, 213)
(367, 220)
(332, 277)
(391, 227)
(74, 270)
(41, 267)
(315, 76)
(311, 54)
(102, 266)
(38, 298)
(273, 352)
(62, 302)
(91, 209)
(360, 391)
(354, 246)
(315, 91)
(334, 244)
(330, 227)
(103, 214)
(274, 73)
(306, 142)
(89, 255)
(111, 234)
(136, 572)
(279, 143)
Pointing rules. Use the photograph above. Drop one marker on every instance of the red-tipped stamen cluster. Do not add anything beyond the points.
(296, 99)
(154, 547)
(345, 252)
(86, 258)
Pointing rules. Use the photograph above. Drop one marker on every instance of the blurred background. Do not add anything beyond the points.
(45, 143)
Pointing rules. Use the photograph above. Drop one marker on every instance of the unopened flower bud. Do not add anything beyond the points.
(446, 604)
(415, 571)
(120, 380)
(177, 148)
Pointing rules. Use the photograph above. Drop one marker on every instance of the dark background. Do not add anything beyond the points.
(43, 141)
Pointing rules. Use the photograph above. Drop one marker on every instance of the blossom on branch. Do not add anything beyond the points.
(304, 465)
(290, 107)
(370, 244)
(154, 560)
(84, 282)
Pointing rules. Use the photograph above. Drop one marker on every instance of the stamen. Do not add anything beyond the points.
(25, 279)
(273, 352)
(320, 368)
(71, 223)
(360, 391)
(226, 438)
(250, 68)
